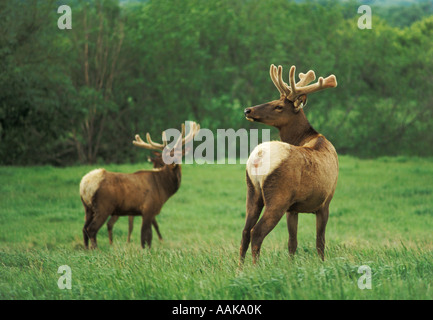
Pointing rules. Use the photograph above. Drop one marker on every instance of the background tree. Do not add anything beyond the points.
(95, 41)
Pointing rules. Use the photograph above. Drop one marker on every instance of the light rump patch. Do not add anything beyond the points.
(89, 184)
(264, 159)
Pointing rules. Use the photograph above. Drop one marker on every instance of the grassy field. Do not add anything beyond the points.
(381, 217)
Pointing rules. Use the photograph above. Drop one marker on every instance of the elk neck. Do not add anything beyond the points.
(298, 131)
(168, 180)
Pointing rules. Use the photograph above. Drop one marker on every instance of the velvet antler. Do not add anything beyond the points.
(295, 90)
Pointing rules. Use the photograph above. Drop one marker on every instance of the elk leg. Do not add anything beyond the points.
(93, 229)
(155, 225)
(110, 225)
(292, 226)
(130, 227)
(321, 220)
(146, 233)
(88, 220)
(85, 234)
(254, 208)
(270, 218)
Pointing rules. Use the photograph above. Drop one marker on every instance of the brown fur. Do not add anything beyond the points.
(142, 193)
(304, 181)
(157, 163)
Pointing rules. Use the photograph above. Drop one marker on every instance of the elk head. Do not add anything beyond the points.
(286, 110)
(176, 152)
(156, 159)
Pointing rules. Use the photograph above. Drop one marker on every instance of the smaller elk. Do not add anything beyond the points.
(157, 163)
(142, 193)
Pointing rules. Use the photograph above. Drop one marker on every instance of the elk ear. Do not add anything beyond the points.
(300, 102)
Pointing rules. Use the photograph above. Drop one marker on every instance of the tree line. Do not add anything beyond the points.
(80, 95)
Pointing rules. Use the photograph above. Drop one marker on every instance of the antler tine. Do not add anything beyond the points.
(164, 138)
(274, 77)
(140, 143)
(194, 128)
(287, 90)
(293, 89)
(183, 139)
(154, 144)
(306, 78)
(329, 82)
(183, 134)
(271, 73)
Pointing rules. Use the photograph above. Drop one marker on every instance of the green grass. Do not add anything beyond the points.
(381, 216)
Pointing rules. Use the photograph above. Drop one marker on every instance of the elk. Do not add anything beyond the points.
(142, 193)
(295, 175)
(157, 163)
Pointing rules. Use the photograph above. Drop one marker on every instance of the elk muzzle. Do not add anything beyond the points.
(248, 116)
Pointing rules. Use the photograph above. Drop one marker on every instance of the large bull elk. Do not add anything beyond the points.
(295, 175)
(142, 193)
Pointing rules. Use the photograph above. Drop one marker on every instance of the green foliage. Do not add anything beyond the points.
(381, 216)
(80, 95)
(36, 100)
(403, 14)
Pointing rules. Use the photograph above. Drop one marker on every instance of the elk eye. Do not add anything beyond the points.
(278, 108)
